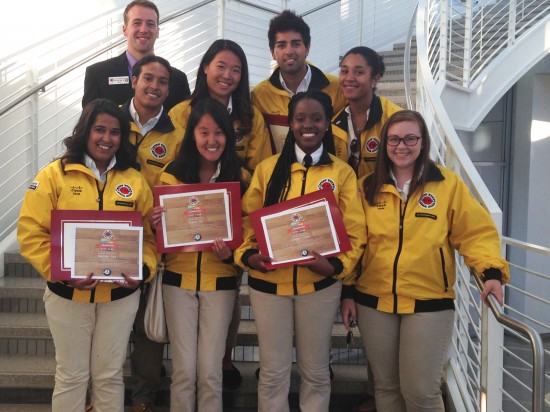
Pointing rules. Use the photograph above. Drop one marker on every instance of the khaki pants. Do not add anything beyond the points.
(91, 341)
(197, 325)
(308, 318)
(407, 354)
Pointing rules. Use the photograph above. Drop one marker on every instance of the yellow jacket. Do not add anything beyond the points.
(251, 148)
(198, 270)
(298, 280)
(78, 189)
(380, 110)
(272, 100)
(409, 261)
(158, 147)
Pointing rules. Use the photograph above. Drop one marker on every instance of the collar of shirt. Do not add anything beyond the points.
(351, 132)
(90, 164)
(315, 156)
(230, 105)
(131, 61)
(403, 192)
(216, 173)
(143, 128)
(302, 87)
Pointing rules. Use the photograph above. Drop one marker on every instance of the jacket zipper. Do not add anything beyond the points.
(199, 258)
(399, 248)
(295, 271)
(100, 194)
(445, 280)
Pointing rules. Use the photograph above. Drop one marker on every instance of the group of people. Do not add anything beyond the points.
(296, 132)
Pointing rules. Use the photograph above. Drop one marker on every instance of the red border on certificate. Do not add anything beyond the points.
(308, 199)
(235, 214)
(63, 220)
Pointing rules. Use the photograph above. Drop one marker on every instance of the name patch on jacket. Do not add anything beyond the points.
(124, 190)
(427, 200)
(124, 203)
(34, 185)
(428, 215)
(113, 81)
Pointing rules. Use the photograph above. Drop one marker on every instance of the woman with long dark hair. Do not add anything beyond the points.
(417, 214)
(90, 320)
(199, 288)
(300, 301)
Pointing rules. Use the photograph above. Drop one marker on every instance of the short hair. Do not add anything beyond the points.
(142, 3)
(374, 182)
(242, 106)
(278, 186)
(288, 21)
(76, 144)
(186, 165)
(374, 60)
(136, 70)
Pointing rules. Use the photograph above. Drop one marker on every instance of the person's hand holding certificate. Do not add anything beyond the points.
(291, 231)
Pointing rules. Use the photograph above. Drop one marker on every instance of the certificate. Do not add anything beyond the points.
(196, 214)
(277, 126)
(107, 251)
(289, 231)
(63, 234)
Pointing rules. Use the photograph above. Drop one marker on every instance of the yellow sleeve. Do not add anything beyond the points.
(259, 145)
(144, 204)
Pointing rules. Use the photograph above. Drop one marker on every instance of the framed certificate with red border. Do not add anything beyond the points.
(289, 231)
(63, 234)
(196, 214)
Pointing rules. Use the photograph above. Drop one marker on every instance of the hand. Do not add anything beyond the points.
(257, 261)
(83, 284)
(348, 310)
(319, 264)
(155, 216)
(221, 250)
(494, 287)
(128, 282)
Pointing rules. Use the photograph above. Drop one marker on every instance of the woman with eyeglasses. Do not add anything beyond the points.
(417, 214)
(357, 127)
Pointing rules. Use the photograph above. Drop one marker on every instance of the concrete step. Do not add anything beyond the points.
(29, 381)
(34, 326)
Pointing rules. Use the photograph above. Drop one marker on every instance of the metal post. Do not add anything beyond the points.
(221, 19)
(512, 23)
(468, 17)
(443, 37)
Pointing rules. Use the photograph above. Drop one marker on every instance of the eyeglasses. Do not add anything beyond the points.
(408, 140)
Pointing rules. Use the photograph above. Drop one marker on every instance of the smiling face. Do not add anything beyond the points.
(104, 140)
(309, 125)
(356, 79)
(290, 52)
(223, 75)
(141, 30)
(210, 139)
(151, 87)
(403, 157)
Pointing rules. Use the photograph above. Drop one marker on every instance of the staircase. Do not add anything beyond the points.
(27, 362)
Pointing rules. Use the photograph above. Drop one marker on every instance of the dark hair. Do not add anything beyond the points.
(136, 70)
(374, 60)
(76, 144)
(242, 107)
(288, 21)
(374, 182)
(279, 183)
(186, 165)
(143, 3)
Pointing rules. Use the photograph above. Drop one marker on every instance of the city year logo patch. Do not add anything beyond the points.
(327, 183)
(372, 145)
(427, 200)
(124, 190)
(159, 150)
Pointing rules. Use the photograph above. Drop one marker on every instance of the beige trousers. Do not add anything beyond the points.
(407, 354)
(91, 341)
(197, 325)
(308, 318)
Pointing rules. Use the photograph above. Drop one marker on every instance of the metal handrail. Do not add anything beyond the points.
(528, 332)
(407, 61)
(118, 40)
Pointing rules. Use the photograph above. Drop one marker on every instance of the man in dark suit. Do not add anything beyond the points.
(112, 78)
